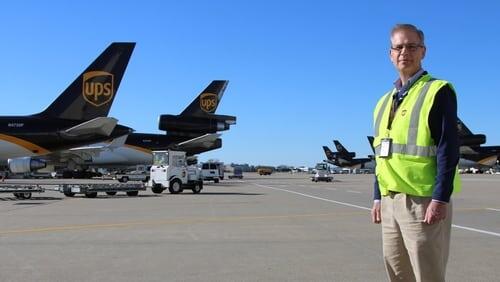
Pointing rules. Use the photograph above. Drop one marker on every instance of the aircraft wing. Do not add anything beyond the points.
(100, 125)
(86, 153)
(205, 141)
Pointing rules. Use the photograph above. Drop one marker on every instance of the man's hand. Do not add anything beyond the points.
(435, 212)
(376, 218)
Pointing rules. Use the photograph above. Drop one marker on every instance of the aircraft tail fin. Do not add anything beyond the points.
(463, 130)
(207, 101)
(370, 140)
(342, 151)
(329, 154)
(93, 91)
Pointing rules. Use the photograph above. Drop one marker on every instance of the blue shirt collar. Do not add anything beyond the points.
(402, 89)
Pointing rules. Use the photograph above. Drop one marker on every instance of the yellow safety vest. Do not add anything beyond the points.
(412, 166)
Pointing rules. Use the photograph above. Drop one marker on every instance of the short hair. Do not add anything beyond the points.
(409, 27)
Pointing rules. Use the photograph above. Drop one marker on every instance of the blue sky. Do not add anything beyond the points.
(301, 73)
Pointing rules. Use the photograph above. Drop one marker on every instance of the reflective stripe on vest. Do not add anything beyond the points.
(411, 148)
(381, 113)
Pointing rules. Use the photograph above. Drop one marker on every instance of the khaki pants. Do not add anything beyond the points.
(413, 250)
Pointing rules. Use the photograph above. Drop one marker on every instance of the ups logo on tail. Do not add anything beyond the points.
(97, 87)
(208, 102)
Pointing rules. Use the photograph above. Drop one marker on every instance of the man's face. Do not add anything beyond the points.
(407, 51)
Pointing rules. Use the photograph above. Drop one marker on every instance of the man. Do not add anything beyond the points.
(416, 149)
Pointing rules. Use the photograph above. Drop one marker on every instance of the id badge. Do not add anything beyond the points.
(385, 147)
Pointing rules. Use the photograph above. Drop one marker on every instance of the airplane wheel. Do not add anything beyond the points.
(17, 195)
(175, 186)
(132, 193)
(216, 180)
(198, 187)
(91, 194)
(69, 194)
(112, 193)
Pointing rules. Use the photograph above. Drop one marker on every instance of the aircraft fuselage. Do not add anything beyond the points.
(33, 135)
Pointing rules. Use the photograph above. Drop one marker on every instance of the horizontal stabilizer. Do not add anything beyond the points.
(202, 141)
(100, 125)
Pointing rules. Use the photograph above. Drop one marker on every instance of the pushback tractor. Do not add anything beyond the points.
(170, 170)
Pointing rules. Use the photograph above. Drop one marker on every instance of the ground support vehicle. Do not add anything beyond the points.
(212, 171)
(21, 191)
(91, 190)
(264, 171)
(322, 173)
(237, 173)
(169, 170)
(318, 177)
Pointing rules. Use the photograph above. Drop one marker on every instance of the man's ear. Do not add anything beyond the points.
(423, 53)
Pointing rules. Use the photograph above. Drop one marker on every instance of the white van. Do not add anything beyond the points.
(212, 171)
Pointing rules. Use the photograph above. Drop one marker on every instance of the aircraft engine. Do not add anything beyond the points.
(26, 164)
(472, 140)
(191, 124)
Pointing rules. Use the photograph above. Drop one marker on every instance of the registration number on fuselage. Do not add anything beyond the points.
(15, 124)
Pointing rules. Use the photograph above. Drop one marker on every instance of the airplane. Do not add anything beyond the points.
(77, 117)
(193, 131)
(472, 154)
(344, 158)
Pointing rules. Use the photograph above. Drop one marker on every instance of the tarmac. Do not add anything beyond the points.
(281, 227)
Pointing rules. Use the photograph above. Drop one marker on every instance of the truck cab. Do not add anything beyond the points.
(169, 170)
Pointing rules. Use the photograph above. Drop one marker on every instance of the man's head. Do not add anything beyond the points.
(407, 49)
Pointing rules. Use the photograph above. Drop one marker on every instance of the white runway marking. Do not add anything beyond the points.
(491, 209)
(365, 208)
(314, 197)
(352, 191)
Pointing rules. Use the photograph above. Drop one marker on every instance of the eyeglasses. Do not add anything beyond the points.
(409, 47)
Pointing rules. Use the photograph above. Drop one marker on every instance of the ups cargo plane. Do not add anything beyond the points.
(344, 158)
(193, 131)
(77, 117)
(472, 154)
